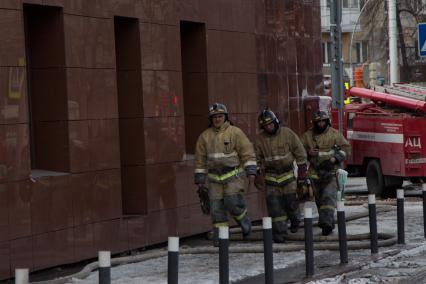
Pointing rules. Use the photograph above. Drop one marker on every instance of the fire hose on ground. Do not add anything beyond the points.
(355, 243)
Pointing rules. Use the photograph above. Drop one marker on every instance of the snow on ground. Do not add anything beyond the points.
(402, 265)
(204, 268)
(194, 269)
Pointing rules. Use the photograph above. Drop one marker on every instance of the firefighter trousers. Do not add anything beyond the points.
(228, 197)
(325, 199)
(282, 205)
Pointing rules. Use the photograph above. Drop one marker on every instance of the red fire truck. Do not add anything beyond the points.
(387, 132)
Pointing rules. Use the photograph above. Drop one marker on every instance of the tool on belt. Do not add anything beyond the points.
(304, 190)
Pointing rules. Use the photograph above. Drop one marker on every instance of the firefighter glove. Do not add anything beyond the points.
(302, 171)
(200, 178)
(339, 155)
(203, 194)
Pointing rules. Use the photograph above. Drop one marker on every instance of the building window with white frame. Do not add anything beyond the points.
(326, 52)
(350, 3)
(361, 51)
(346, 3)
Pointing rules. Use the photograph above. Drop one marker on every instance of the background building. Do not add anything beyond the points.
(101, 103)
(350, 14)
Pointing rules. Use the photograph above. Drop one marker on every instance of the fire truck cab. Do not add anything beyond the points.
(387, 135)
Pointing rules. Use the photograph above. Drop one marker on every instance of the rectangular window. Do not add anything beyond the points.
(364, 51)
(350, 4)
(130, 112)
(47, 91)
(326, 52)
(361, 51)
(194, 78)
(329, 54)
(351, 116)
(358, 52)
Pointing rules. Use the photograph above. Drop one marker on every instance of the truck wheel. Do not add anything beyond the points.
(375, 180)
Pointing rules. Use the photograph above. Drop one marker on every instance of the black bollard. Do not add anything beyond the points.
(104, 258)
(309, 243)
(372, 216)
(22, 276)
(424, 208)
(343, 244)
(267, 249)
(400, 215)
(223, 255)
(173, 260)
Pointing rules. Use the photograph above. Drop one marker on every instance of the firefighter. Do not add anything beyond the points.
(277, 148)
(326, 149)
(222, 154)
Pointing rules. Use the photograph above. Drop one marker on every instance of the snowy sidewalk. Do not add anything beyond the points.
(392, 264)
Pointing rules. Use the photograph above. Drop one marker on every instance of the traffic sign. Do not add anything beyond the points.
(421, 38)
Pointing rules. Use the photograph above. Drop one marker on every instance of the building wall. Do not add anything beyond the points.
(121, 144)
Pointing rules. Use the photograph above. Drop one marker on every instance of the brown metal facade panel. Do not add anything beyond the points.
(121, 119)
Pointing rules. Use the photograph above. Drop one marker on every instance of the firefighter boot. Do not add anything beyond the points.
(219, 218)
(279, 239)
(245, 225)
(279, 231)
(291, 205)
(327, 230)
(294, 227)
(215, 237)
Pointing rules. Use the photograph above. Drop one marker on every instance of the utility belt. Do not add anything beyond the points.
(278, 170)
(225, 174)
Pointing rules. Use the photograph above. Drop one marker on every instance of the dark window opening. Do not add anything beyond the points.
(194, 78)
(47, 91)
(130, 112)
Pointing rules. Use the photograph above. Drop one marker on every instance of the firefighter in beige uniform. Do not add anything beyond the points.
(222, 154)
(277, 148)
(327, 149)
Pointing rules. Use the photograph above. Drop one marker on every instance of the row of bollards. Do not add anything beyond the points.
(22, 275)
(104, 264)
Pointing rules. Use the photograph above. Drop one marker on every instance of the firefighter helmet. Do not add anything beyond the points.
(320, 115)
(267, 116)
(218, 108)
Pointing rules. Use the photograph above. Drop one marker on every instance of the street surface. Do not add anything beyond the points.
(393, 264)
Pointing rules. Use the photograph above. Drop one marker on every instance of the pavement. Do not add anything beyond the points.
(327, 263)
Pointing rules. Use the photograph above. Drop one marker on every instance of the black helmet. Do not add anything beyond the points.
(267, 116)
(218, 108)
(320, 115)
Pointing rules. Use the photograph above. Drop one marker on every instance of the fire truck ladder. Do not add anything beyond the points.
(404, 90)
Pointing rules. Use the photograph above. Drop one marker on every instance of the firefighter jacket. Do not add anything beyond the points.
(330, 144)
(222, 154)
(276, 154)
